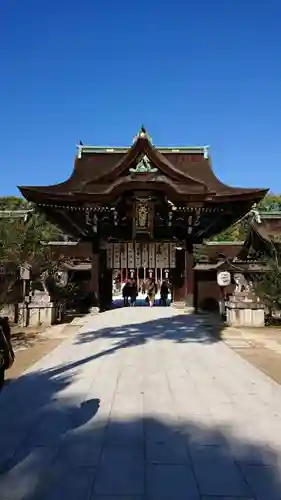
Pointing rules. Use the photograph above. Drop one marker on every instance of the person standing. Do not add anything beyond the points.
(6, 351)
(133, 293)
(126, 293)
(164, 291)
(151, 292)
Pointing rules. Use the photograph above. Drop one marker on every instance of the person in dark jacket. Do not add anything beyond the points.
(126, 293)
(133, 292)
(6, 350)
(164, 291)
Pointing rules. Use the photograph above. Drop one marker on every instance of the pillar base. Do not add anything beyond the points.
(189, 304)
(189, 300)
(94, 310)
(186, 305)
(178, 304)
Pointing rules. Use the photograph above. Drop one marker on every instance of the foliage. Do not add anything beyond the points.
(14, 203)
(268, 285)
(200, 253)
(270, 202)
(20, 242)
(237, 232)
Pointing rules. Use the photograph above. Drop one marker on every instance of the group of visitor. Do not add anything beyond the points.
(6, 351)
(130, 292)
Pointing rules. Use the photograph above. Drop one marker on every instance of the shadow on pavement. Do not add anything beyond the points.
(58, 440)
(182, 328)
(54, 446)
(179, 329)
(118, 303)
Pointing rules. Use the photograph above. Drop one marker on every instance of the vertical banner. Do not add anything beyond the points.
(131, 255)
(151, 254)
(123, 255)
(145, 261)
(158, 254)
(138, 255)
(109, 256)
(172, 255)
(165, 252)
(116, 256)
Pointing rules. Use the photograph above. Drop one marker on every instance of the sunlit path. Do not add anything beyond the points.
(142, 404)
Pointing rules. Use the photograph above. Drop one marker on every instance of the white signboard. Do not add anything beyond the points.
(131, 255)
(116, 256)
(109, 255)
(151, 254)
(172, 255)
(223, 278)
(25, 272)
(138, 254)
(123, 256)
(145, 262)
(165, 254)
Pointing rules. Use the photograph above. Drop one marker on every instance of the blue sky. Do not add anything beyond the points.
(194, 72)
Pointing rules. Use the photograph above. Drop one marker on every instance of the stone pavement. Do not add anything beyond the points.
(141, 404)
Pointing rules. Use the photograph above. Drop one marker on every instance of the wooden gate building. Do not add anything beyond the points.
(143, 207)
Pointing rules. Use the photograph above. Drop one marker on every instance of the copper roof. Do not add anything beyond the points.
(102, 173)
(268, 230)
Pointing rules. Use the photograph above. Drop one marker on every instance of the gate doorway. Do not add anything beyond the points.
(139, 264)
(141, 280)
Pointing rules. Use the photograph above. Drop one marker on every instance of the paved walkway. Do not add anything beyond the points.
(142, 404)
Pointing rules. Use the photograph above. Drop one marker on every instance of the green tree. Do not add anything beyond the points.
(20, 243)
(268, 285)
(14, 203)
(236, 232)
(270, 202)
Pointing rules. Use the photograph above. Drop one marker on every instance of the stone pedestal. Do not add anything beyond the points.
(9, 310)
(37, 314)
(244, 310)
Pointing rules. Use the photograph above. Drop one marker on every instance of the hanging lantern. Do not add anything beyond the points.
(132, 273)
(95, 223)
(61, 278)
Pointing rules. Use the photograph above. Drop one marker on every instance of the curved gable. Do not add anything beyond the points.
(143, 151)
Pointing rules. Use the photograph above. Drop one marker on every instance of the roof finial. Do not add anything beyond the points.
(206, 152)
(80, 147)
(142, 134)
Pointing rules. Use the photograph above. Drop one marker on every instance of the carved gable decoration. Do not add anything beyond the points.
(144, 214)
(143, 166)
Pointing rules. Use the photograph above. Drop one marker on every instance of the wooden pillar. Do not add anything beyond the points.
(105, 282)
(94, 285)
(189, 276)
(178, 278)
(95, 274)
(184, 283)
